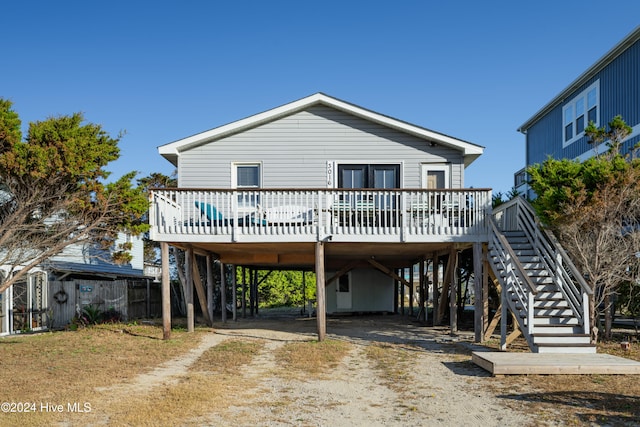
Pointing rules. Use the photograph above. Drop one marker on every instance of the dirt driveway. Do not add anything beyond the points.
(440, 385)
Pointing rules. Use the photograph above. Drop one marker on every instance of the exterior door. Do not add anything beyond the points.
(343, 292)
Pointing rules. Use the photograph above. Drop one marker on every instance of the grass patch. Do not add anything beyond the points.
(311, 357)
(392, 362)
(66, 367)
(212, 385)
(227, 356)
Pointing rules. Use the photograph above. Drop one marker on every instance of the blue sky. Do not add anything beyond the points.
(164, 70)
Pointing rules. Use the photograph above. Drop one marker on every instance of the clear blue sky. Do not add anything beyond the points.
(164, 70)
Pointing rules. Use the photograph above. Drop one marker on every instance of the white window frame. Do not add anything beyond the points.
(234, 174)
(573, 120)
(248, 202)
(435, 167)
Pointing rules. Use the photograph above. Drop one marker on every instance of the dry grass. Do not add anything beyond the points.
(393, 362)
(66, 367)
(301, 359)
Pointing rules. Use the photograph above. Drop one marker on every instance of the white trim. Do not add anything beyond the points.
(572, 104)
(426, 167)
(234, 172)
(171, 151)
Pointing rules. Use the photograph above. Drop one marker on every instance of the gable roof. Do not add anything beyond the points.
(172, 150)
(600, 64)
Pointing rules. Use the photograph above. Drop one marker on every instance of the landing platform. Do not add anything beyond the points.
(505, 363)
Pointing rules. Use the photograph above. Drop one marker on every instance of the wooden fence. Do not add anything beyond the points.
(134, 299)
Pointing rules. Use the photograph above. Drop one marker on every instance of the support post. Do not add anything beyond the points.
(485, 289)
(166, 292)
(252, 281)
(202, 298)
(453, 293)
(234, 294)
(503, 319)
(396, 296)
(321, 310)
(210, 286)
(412, 293)
(244, 292)
(436, 292)
(478, 311)
(188, 275)
(223, 293)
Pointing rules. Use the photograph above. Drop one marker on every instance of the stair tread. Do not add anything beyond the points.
(553, 344)
(560, 335)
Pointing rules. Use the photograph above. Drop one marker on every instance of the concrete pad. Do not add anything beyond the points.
(505, 363)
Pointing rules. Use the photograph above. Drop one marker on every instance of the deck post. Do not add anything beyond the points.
(234, 281)
(453, 292)
(411, 291)
(503, 318)
(223, 293)
(188, 288)
(436, 292)
(485, 289)
(166, 292)
(478, 311)
(210, 286)
(321, 310)
(244, 292)
(396, 296)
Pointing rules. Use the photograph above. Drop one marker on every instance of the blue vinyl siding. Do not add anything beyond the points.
(619, 95)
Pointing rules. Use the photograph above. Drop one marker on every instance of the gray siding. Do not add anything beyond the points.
(294, 151)
(619, 95)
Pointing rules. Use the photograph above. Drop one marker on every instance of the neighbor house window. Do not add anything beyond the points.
(578, 112)
(247, 176)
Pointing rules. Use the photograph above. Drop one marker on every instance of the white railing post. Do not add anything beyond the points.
(586, 320)
(530, 313)
(503, 319)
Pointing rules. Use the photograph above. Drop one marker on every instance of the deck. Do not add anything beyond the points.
(313, 215)
(508, 363)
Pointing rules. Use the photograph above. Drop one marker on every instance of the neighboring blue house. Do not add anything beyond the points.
(610, 87)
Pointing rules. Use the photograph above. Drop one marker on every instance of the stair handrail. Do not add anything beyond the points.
(519, 213)
(521, 285)
(506, 247)
(566, 259)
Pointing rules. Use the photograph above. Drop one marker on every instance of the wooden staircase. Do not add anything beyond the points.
(540, 285)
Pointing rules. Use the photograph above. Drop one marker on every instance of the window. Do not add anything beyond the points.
(435, 175)
(575, 117)
(247, 176)
(369, 176)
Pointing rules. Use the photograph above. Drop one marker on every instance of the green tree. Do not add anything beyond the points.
(594, 209)
(53, 192)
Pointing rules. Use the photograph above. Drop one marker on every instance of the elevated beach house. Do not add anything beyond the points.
(356, 196)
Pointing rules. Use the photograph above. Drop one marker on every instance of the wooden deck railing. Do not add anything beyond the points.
(312, 214)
